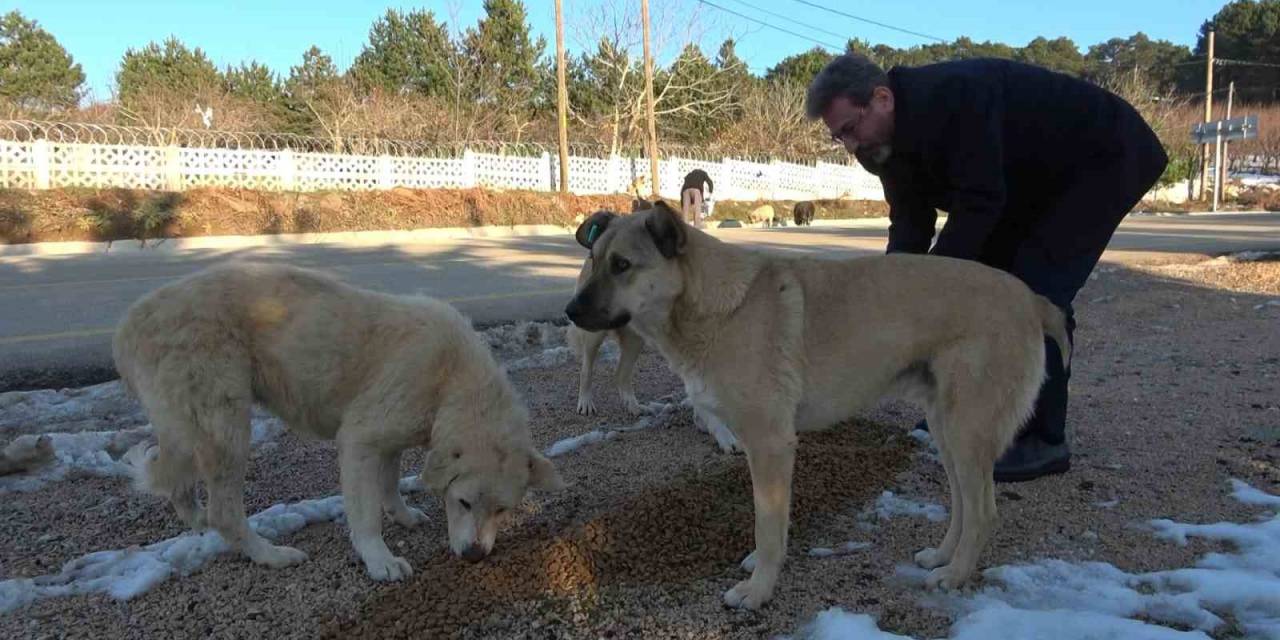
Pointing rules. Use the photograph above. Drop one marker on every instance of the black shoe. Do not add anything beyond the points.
(1031, 458)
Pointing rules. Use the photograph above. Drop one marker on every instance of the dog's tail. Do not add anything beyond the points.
(1054, 323)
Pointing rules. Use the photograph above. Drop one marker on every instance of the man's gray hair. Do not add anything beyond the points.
(851, 75)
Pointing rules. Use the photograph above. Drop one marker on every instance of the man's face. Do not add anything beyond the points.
(865, 131)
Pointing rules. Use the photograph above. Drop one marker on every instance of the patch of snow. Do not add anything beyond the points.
(545, 359)
(842, 550)
(572, 444)
(1244, 256)
(889, 505)
(836, 624)
(524, 336)
(101, 453)
(123, 574)
(653, 414)
(99, 407)
(1058, 600)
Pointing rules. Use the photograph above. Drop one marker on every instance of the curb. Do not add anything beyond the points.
(344, 238)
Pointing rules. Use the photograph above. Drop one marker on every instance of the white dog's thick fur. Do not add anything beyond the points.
(375, 372)
(774, 344)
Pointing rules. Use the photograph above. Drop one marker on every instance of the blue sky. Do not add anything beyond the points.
(276, 32)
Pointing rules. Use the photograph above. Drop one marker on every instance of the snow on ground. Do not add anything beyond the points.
(652, 414)
(101, 453)
(126, 573)
(100, 407)
(545, 359)
(1058, 600)
(524, 336)
(889, 505)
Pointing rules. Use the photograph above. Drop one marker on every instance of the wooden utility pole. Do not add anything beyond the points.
(1208, 116)
(562, 101)
(1226, 144)
(648, 98)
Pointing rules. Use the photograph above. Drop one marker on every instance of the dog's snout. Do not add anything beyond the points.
(574, 309)
(474, 553)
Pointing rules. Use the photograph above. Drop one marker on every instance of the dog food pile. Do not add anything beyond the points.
(687, 538)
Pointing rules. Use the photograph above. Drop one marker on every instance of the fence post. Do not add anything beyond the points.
(42, 154)
(172, 168)
(546, 171)
(288, 169)
(468, 169)
(385, 180)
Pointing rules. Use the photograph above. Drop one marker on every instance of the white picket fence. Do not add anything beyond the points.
(45, 164)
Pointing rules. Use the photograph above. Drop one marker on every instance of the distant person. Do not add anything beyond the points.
(1034, 168)
(692, 198)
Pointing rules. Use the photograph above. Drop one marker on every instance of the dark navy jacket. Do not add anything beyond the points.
(983, 139)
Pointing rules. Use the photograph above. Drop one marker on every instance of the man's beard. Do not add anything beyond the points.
(874, 157)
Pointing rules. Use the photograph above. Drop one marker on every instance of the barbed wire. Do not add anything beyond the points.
(109, 134)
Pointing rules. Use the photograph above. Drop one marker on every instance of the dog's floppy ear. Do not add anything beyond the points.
(542, 474)
(435, 473)
(667, 229)
(593, 227)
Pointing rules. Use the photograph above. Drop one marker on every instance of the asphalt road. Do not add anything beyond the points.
(57, 312)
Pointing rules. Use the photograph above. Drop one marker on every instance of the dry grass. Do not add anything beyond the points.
(120, 214)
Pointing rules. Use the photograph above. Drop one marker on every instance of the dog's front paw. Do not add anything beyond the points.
(930, 559)
(948, 578)
(408, 517)
(388, 568)
(748, 594)
(725, 439)
(586, 405)
(631, 404)
(278, 556)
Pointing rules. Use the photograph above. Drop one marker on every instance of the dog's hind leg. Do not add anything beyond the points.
(631, 344)
(222, 452)
(933, 558)
(168, 468)
(771, 453)
(363, 487)
(392, 502)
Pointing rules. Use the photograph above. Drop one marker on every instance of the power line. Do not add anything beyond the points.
(870, 21)
(795, 22)
(828, 45)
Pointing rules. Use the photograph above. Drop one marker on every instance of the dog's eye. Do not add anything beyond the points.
(465, 505)
(620, 264)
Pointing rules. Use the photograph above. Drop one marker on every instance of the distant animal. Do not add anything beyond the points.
(803, 213)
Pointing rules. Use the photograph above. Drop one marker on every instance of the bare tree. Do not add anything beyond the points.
(611, 31)
(773, 122)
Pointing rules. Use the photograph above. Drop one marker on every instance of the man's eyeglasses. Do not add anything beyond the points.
(848, 129)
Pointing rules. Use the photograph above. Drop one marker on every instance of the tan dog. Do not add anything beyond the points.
(377, 373)
(774, 344)
(586, 345)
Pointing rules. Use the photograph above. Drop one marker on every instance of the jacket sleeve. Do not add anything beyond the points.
(911, 218)
(711, 186)
(971, 159)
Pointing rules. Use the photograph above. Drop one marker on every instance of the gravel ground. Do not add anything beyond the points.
(1176, 389)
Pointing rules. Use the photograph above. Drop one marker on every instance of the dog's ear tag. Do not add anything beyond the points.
(593, 232)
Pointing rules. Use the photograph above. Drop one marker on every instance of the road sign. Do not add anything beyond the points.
(1234, 129)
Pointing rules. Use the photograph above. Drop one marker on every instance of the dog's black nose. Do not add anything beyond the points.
(574, 309)
(474, 553)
